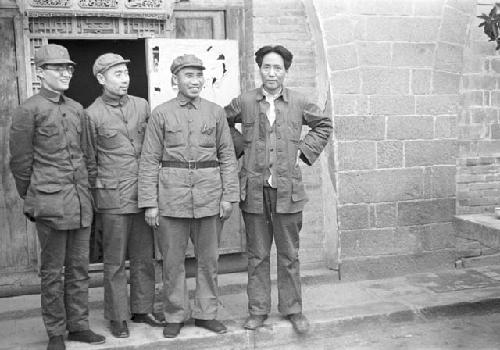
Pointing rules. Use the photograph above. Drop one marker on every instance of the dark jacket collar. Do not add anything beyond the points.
(51, 95)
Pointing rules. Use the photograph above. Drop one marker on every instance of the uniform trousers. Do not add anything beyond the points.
(174, 234)
(260, 231)
(64, 302)
(122, 234)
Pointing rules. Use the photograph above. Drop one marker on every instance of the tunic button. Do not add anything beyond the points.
(64, 114)
(66, 129)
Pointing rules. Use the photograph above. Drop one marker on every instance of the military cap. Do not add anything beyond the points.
(52, 54)
(186, 61)
(106, 61)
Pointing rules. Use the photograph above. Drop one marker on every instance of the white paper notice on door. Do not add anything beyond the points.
(220, 58)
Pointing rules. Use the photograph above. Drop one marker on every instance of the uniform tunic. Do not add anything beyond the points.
(118, 127)
(51, 160)
(183, 130)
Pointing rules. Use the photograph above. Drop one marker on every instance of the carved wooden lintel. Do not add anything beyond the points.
(152, 9)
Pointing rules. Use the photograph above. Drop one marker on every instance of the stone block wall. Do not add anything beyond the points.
(478, 166)
(395, 72)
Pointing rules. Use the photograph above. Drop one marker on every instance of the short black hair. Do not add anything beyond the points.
(280, 50)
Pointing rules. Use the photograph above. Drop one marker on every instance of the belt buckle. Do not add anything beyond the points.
(191, 164)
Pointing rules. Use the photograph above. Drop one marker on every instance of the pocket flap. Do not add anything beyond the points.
(48, 130)
(172, 127)
(48, 188)
(106, 183)
(108, 133)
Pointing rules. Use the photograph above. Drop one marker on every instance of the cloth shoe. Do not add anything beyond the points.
(119, 329)
(212, 325)
(254, 321)
(172, 330)
(87, 336)
(149, 319)
(299, 323)
(56, 343)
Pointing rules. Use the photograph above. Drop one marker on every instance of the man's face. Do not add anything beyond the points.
(272, 72)
(115, 80)
(190, 81)
(56, 77)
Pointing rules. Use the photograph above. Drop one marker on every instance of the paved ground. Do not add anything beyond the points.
(333, 307)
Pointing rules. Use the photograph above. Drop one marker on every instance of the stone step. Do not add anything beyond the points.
(484, 228)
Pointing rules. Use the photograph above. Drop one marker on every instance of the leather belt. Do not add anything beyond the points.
(190, 164)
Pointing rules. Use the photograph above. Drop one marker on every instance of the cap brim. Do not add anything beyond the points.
(57, 61)
(189, 66)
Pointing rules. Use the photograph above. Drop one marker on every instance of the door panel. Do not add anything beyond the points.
(199, 25)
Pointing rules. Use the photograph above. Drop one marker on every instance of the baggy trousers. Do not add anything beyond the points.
(124, 233)
(64, 303)
(173, 237)
(260, 231)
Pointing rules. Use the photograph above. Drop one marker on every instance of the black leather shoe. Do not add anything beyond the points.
(299, 323)
(87, 336)
(56, 343)
(149, 319)
(172, 330)
(119, 329)
(254, 321)
(212, 325)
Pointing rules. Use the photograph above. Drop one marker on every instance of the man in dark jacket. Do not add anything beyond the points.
(271, 188)
(52, 163)
(118, 122)
(190, 195)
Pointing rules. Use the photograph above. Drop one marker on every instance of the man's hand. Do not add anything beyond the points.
(226, 208)
(152, 217)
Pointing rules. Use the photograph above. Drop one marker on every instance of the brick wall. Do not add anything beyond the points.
(395, 71)
(478, 166)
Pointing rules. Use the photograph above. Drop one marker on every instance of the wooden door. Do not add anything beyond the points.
(17, 244)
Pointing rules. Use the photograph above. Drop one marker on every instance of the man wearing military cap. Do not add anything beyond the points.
(190, 195)
(54, 166)
(118, 122)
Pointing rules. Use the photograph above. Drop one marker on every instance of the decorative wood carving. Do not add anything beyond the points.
(149, 4)
(50, 3)
(159, 9)
(98, 4)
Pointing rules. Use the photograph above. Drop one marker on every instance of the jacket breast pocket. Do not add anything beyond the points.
(49, 138)
(207, 134)
(49, 201)
(173, 136)
(109, 138)
(107, 194)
